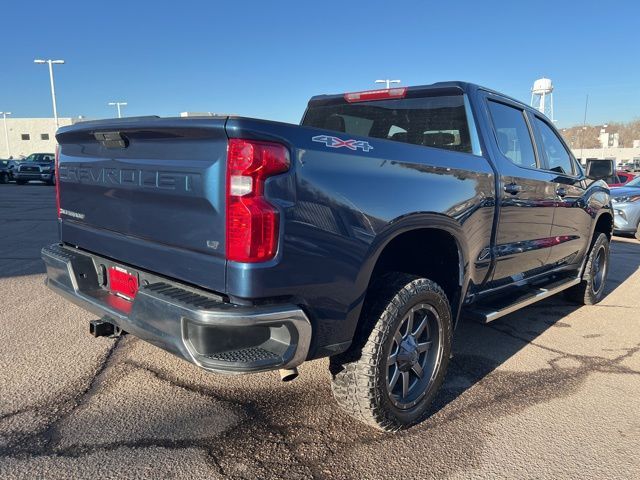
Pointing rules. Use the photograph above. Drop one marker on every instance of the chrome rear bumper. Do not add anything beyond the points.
(190, 323)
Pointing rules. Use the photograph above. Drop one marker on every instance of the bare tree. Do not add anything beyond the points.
(589, 136)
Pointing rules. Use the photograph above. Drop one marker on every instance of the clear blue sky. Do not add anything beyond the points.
(265, 58)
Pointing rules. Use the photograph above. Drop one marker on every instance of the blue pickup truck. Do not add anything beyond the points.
(363, 234)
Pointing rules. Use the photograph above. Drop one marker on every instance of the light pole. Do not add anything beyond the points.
(53, 88)
(118, 105)
(6, 133)
(388, 82)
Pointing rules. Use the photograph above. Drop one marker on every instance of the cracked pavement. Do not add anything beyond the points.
(548, 392)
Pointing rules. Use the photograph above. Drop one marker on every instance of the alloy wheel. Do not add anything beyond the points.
(415, 356)
(599, 270)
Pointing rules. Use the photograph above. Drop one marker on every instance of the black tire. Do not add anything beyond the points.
(4, 178)
(591, 289)
(21, 182)
(361, 382)
(52, 181)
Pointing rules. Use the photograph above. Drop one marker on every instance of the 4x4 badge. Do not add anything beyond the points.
(335, 142)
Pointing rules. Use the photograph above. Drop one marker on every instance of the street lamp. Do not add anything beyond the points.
(53, 88)
(6, 133)
(118, 105)
(388, 82)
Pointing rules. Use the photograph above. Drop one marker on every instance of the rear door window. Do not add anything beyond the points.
(436, 121)
(512, 134)
(558, 158)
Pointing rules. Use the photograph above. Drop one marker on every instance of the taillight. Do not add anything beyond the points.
(375, 95)
(252, 222)
(57, 177)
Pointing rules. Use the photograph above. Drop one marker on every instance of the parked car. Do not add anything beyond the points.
(5, 172)
(620, 178)
(10, 166)
(626, 208)
(37, 166)
(363, 234)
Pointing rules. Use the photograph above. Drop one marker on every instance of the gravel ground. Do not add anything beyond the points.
(548, 392)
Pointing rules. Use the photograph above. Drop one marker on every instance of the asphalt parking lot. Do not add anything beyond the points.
(548, 392)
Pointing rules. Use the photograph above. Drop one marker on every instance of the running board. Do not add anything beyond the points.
(489, 313)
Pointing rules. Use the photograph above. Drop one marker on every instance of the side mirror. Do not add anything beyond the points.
(600, 169)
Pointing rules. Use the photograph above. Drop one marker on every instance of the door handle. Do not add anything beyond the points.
(561, 192)
(513, 188)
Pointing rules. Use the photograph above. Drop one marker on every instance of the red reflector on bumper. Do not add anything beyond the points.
(122, 282)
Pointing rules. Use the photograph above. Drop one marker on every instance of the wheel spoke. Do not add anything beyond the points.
(405, 384)
(423, 347)
(410, 323)
(417, 368)
(421, 327)
(392, 359)
(398, 338)
(394, 379)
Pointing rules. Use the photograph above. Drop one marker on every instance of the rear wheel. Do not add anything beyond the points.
(398, 360)
(591, 289)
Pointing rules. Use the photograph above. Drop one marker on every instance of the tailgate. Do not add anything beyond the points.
(148, 192)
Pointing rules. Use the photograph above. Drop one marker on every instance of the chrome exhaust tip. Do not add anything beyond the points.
(286, 375)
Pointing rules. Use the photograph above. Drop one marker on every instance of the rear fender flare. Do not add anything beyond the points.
(417, 221)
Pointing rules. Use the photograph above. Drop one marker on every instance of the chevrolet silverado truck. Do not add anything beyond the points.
(364, 234)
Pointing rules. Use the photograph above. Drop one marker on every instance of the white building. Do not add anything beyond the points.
(29, 135)
(620, 154)
(609, 139)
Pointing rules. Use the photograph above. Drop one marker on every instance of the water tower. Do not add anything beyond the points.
(542, 88)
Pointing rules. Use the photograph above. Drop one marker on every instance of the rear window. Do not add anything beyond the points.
(438, 121)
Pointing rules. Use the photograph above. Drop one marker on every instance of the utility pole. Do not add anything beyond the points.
(584, 127)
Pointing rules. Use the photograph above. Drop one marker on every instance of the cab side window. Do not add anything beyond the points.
(512, 134)
(558, 158)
